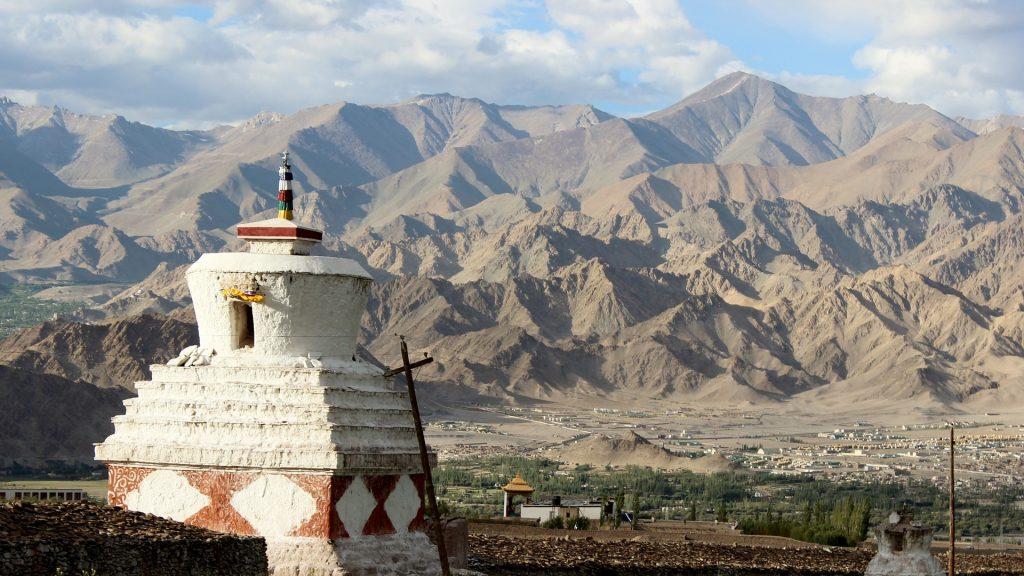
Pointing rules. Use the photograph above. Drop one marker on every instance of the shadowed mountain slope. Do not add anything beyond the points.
(45, 417)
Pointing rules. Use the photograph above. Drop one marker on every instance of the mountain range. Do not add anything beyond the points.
(745, 245)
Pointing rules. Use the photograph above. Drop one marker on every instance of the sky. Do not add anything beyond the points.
(205, 62)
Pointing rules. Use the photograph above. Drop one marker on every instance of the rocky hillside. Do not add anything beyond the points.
(46, 417)
(634, 450)
(748, 244)
(109, 354)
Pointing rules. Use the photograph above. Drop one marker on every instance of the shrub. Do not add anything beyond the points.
(579, 523)
(555, 523)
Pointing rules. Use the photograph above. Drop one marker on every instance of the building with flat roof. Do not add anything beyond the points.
(16, 493)
(566, 509)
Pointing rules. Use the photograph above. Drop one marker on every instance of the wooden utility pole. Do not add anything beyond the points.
(952, 502)
(407, 367)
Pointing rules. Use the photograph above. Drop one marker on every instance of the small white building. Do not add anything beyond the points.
(16, 493)
(566, 509)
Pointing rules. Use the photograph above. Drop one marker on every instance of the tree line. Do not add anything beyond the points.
(759, 502)
(843, 523)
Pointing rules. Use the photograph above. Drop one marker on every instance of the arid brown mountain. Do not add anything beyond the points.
(746, 245)
(335, 145)
(986, 125)
(95, 151)
(109, 354)
(47, 418)
(743, 119)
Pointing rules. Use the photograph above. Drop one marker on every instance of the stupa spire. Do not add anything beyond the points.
(284, 189)
(280, 235)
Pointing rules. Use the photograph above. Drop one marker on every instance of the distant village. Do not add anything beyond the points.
(988, 453)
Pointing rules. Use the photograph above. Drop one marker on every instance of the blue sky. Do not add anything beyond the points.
(764, 44)
(769, 46)
(196, 12)
(204, 62)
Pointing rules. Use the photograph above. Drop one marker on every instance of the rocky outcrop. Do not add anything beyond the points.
(634, 450)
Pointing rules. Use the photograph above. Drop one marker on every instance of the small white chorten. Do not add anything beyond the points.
(271, 426)
(904, 549)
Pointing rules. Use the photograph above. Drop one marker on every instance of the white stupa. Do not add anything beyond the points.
(904, 549)
(271, 426)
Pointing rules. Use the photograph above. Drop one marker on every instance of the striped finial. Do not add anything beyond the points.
(284, 189)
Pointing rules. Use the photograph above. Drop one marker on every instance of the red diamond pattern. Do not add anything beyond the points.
(320, 488)
(221, 486)
(418, 523)
(219, 514)
(380, 486)
(338, 487)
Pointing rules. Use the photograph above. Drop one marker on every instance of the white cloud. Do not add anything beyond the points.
(145, 66)
(675, 57)
(960, 57)
(819, 84)
(202, 61)
(148, 60)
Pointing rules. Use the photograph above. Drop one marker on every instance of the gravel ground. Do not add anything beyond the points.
(502, 555)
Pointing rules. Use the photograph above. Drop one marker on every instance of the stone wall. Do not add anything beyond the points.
(85, 539)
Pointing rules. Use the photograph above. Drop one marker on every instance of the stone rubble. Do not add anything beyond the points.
(502, 555)
(74, 538)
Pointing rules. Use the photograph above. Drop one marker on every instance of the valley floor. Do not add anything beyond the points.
(782, 439)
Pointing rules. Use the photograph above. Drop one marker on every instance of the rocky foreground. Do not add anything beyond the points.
(501, 555)
(45, 539)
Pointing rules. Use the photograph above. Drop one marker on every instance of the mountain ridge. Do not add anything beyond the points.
(748, 244)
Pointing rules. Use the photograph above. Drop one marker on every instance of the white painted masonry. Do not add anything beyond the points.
(403, 504)
(355, 506)
(395, 555)
(904, 549)
(168, 494)
(292, 505)
(311, 308)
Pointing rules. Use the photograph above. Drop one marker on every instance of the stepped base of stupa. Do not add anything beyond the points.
(321, 462)
(394, 555)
